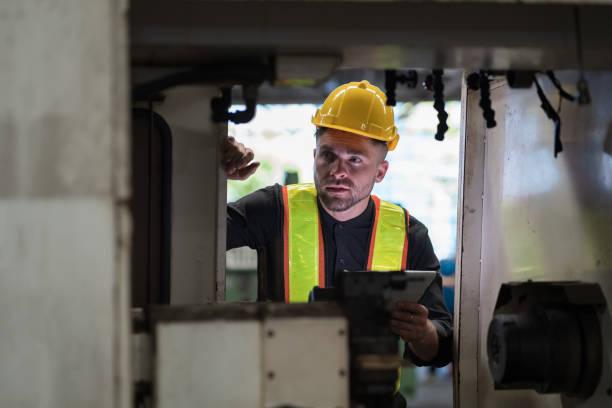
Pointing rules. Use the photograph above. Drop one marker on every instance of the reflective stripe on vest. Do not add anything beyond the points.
(304, 260)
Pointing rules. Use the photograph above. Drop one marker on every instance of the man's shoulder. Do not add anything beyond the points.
(265, 193)
(416, 224)
(259, 203)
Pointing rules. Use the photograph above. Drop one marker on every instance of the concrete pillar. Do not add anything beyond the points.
(64, 190)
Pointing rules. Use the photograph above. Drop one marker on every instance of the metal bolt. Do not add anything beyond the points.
(270, 333)
(342, 373)
(271, 375)
(341, 332)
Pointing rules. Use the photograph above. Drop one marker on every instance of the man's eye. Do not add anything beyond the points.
(327, 154)
(355, 159)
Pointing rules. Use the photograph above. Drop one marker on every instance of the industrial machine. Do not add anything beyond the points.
(94, 92)
(337, 351)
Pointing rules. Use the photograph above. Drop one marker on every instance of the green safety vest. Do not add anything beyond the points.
(304, 260)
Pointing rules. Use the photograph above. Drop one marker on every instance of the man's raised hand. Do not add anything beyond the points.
(236, 159)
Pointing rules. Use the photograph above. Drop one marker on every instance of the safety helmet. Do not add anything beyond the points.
(361, 108)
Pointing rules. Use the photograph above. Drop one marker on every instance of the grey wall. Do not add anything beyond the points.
(64, 224)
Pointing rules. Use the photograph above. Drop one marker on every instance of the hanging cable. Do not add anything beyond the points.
(562, 92)
(552, 115)
(584, 96)
(392, 78)
(485, 100)
(438, 88)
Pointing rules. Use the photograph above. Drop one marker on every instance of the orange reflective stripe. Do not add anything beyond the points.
(373, 233)
(286, 243)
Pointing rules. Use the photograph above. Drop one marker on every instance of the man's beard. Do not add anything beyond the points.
(339, 204)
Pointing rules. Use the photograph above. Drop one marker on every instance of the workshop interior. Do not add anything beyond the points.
(113, 275)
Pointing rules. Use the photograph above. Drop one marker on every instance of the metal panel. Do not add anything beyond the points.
(306, 362)
(371, 34)
(64, 189)
(198, 196)
(208, 364)
(468, 251)
(545, 218)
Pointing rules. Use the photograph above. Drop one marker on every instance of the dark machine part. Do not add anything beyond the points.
(472, 81)
(222, 74)
(220, 105)
(249, 74)
(392, 78)
(438, 89)
(546, 336)
(373, 346)
(151, 208)
(519, 79)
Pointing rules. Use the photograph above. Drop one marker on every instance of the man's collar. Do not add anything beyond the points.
(362, 220)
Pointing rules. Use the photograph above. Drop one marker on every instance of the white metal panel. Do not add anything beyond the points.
(545, 218)
(64, 189)
(208, 364)
(468, 252)
(306, 362)
(198, 196)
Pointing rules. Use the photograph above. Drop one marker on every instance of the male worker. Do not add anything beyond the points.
(336, 224)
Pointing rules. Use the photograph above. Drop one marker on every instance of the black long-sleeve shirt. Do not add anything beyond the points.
(256, 220)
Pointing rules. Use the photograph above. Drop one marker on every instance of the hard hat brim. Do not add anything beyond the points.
(391, 144)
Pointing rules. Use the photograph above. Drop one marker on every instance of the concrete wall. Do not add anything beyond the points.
(198, 196)
(64, 224)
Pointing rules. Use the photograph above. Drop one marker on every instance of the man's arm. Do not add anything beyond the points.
(253, 220)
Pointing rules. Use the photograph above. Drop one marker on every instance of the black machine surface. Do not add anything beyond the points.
(546, 336)
(366, 298)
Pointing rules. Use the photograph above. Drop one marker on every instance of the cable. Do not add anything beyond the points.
(485, 100)
(552, 115)
(438, 88)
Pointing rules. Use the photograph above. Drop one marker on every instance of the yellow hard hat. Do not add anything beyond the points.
(361, 108)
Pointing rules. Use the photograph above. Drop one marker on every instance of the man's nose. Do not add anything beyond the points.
(338, 169)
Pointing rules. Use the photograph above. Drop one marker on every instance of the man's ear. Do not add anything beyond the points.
(383, 166)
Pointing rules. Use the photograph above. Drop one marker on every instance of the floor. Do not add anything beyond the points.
(432, 391)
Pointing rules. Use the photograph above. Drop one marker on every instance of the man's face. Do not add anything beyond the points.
(346, 166)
